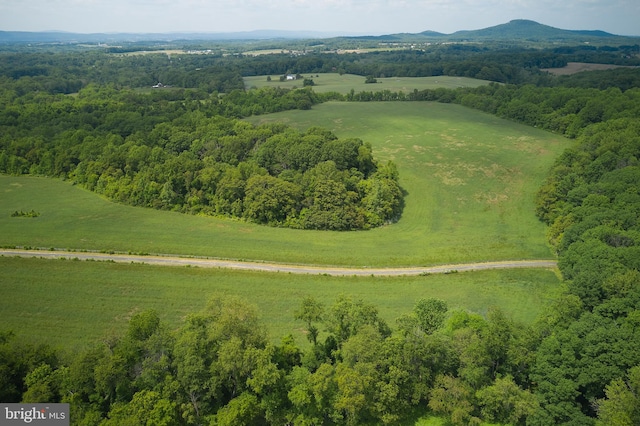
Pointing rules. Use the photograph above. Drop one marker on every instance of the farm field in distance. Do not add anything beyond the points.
(334, 82)
(576, 67)
(71, 303)
(470, 180)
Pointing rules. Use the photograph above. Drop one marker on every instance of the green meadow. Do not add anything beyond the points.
(470, 180)
(343, 83)
(72, 303)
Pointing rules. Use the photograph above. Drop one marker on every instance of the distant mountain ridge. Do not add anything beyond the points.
(523, 28)
(518, 29)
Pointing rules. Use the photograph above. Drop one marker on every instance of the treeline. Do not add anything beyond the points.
(586, 368)
(566, 105)
(587, 358)
(591, 202)
(219, 368)
(268, 174)
(107, 109)
(617, 55)
(461, 61)
(68, 72)
(60, 72)
(565, 110)
(513, 66)
(622, 78)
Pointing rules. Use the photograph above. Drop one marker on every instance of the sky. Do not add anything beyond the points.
(371, 17)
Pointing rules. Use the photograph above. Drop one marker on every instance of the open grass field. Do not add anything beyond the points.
(470, 179)
(334, 82)
(72, 303)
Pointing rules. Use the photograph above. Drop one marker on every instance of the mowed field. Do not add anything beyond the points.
(72, 303)
(470, 180)
(334, 82)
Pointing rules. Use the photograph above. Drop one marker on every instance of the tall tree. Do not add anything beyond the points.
(621, 407)
(310, 311)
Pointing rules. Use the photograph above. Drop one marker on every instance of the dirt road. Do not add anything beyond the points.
(273, 267)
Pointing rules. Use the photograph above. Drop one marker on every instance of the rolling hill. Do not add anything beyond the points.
(516, 30)
(522, 30)
(527, 30)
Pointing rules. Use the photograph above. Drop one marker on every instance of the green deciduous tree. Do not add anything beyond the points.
(25, 366)
(347, 316)
(453, 398)
(310, 311)
(145, 408)
(505, 402)
(621, 407)
(43, 384)
(271, 200)
(240, 411)
(431, 314)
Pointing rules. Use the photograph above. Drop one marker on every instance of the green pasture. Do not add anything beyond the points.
(470, 180)
(72, 303)
(470, 177)
(343, 83)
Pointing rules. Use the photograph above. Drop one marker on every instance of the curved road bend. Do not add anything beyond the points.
(273, 267)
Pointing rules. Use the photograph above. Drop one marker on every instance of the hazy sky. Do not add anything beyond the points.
(345, 16)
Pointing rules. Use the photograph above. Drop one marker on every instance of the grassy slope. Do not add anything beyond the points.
(71, 303)
(470, 179)
(334, 82)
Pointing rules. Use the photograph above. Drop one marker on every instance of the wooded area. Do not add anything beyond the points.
(172, 150)
(184, 149)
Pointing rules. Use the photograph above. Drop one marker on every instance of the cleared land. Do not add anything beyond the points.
(576, 67)
(72, 303)
(470, 179)
(334, 82)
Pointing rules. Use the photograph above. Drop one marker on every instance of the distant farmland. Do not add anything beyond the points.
(344, 83)
(576, 67)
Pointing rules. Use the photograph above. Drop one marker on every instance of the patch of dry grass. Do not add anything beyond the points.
(576, 67)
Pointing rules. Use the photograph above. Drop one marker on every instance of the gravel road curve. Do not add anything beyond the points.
(274, 267)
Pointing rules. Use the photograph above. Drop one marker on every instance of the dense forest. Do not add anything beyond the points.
(184, 149)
